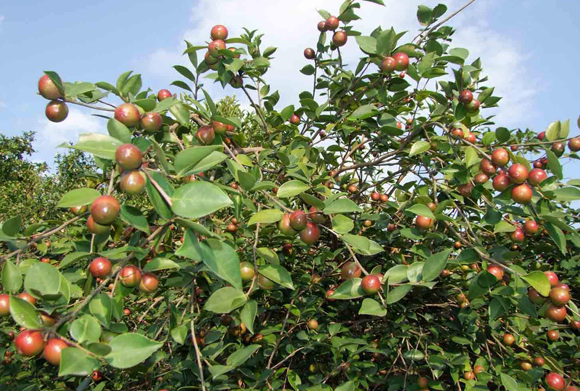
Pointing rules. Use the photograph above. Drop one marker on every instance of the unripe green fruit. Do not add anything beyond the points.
(96, 228)
(247, 271)
(265, 283)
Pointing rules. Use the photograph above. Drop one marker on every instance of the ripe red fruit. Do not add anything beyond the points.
(151, 121)
(205, 135)
(265, 283)
(518, 235)
(465, 96)
(480, 178)
(219, 32)
(350, 270)
(375, 196)
(465, 189)
(298, 220)
(472, 106)
(574, 144)
(555, 381)
(130, 276)
(56, 111)
(575, 325)
(100, 267)
(29, 343)
(384, 198)
(294, 119)
(552, 277)
(149, 283)
(321, 26)
(539, 361)
(402, 60)
(531, 227)
(487, 167)
(553, 335)
(559, 296)
(423, 222)
(563, 286)
(556, 313)
(247, 271)
(27, 297)
(96, 228)
(522, 193)
(52, 350)
(329, 293)
(127, 114)
(331, 23)
(478, 369)
(518, 173)
(4, 304)
(352, 189)
(219, 128)
(48, 89)
(163, 94)
(97, 376)
(538, 164)
(339, 38)
(371, 284)
(471, 138)
(128, 157)
(508, 339)
(309, 53)
(496, 271)
(458, 133)
(500, 157)
(105, 209)
(541, 135)
(389, 64)
(133, 182)
(310, 234)
(572, 388)
(215, 46)
(501, 182)
(537, 176)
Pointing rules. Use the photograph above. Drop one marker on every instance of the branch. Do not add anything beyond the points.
(89, 106)
(258, 110)
(425, 35)
(159, 189)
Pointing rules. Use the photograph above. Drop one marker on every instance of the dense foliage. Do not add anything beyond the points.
(381, 233)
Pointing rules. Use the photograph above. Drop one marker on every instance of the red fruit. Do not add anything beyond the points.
(105, 209)
(371, 284)
(539, 361)
(563, 286)
(294, 119)
(487, 167)
(552, 277)
(56, 111)
(309, 54)
(163, 94)
(518, 173)
(422, 382)
(265, 283)
(575, 325)
(316, 216)
(215, 46)
(471, 138)
(384, 198)
(247, 271)
(350, 270)
(205, 135)
(52, 350)
(127, 312)
(472, 106)
(29, 343)
(496, 271)
(555, 381)
(100, 267)
(149, 283)
(514, 147)
(423, 222)
(128, 157)
(559, 296)
(339, 38)
(558, 149)
(535, 297)
(556, 313)
(48, 89)
(97, 376)
(133, 182)
(321, 26)
(402, 60)
(151, 121)
(525, 366)
(329, 293)
(465, 189)
(127, 114)
(541, 135)
(331, 23)
(500, 157)
(478, 369)
(480, 178)
(574, 144)
(27, 297)
(508, 339)
(219, 32)
(310, 234)
(298, 220)
(458, 133)
(130, 276)
(572, 388)
(232, 228)
(389, 64)
(553, 335)
(375, 196)
(537, 164)
(469, 375)
(531, 227)
(284, 225)
(501, 182)
(96, 228)
(537, 176)
(518, 235)
(465, 96)
(4, 305)
(522, 193)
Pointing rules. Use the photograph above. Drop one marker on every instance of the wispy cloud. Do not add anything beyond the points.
(2, 105)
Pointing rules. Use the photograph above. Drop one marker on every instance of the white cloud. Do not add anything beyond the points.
(2, 105)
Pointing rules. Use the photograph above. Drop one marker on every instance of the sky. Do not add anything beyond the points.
(524, 46)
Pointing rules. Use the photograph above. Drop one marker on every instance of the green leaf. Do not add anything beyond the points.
(287, 112)
(266, 216)
(396, 274)
(157, 264)
(12, 226)
(419, 147)
(434, 265)
(133, 216)
(364, 112)
(367, 44)
(308, 70)
(485, 94)
(553, 131)
(424, 15)
(55, 78)
(342, 224)
(101, 307)
(502, 134)
(398, 293)
(225, 300)
(78, 197)
(565, 129)
(42, 281)
(349, 385)
(554, 164)
(278, 274)
(539, 282)
(248, 314)
(198, 199)
(71, 258)
(471, 157)
(165, 104)
(128, 350)
(567, 194)
(503, 226)
(11, 277)
(421, 210)
(210, 103)
(350, 289)
(371, 307)
(24, 314)
(200, 229)
(155, 197)
(179, 334)
(362, 245)
(146, 104)
(459, 52)
(342, 205)
(247, 180)
(77, 362)
(509, 382)
(386, 42)
(291, 189)
(85, 329)
(99, 145)
(181, 113)
(223, 260)
(184, 72)
(119, 131)
(240, 356)
(218, 370)
(557, 236)
(198, 159)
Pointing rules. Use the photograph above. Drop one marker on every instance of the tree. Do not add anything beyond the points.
(382, 233)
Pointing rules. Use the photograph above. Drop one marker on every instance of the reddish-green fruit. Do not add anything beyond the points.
(563, 286)
(518, 235)
(559, 296)
(133, 182)
(496, 271)
(237, 82)
(469, 375)
(525, 366)
(389, 64)
(310, 234)
(316, 216)
(48, 89)
(535, 297)
(128, 114)
(572, 388)
(541, 135)
(339, 38)
(151, 121)
(309, 54)
(27, 297)
(508, 339)
(531, 227)
(472, 106)
(375, 196)
(458, 133)
(558, 149)
(465, 189)
(149, 283)
(52, 350)
(501, 182)
(96, 228)
(321, 26)
(553, 335)
(247, 271)
(352, 189)
(487, 167)
(265, 283)
(538, 164)
(329, 294)
(539, 361)
(478, 369)
(384, 198)
(205, 135)
(555, 381)
(100, 267)
(556, 313)
(294, 119)
(432, 206)
(522, 193)
(480, 178)
(575, 324)
(78, 210)
(370, 284)
(518, 173)
(471, 138)
(4, 304)
(298, 220)
(97, 376)
(163, 94)
(537, 176)
(29, 343)
(552, 278)
(402, 60)
(285, 227)
(215, 46)
(219, 32)
(129, 157)
(219, 128)
(232, 228)
(105, 209)
(130, 276)
(422, 382)
(465, 96)
(312, 324)
(574, 144)
(423, 222)
(331, 23)
(500, 157)
(56, 111)
(47, 320)
(210, 60)
(350, 270)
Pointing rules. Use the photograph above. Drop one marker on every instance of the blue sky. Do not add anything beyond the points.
(525, 48)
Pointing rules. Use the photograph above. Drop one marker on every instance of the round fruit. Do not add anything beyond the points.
(487, 167)
(531, 227)
(128, 114)
(331, 23)
(47, 320)
(478, 369)
(129, 157)
(525, 366)
(350, 270)
(574, 144)
(339, 38)
(215, 46)
(522, 194)
(559, 296)
(423, 222)
(163, 94)
(389, 64)
(205, 135)
(518, 173)
(556, 313)
(496, 271)
(321, 26)
(469, 375)
(48, 89)
(285, 227)
(298, 220)
(538, 164)
(265, 283)
(471, 138)
(508, 339)
(432, 206)
(480, 178)
(133, 182)
(558, 149)
(151, 121)
(310, 234)
(563, 286)
(4, 304)
(100, 267)
(56, 111)
(316, 216)
(384, 198)
(149, 283)
(309, 54)
(237, 82)
(219, 32)
(232, 228)
(472, 106)
(294, 119)
(27, 297)
(458, 133)
(312, 324)
(52, 350)
(539, 361)
(552, 277)
(465, 189)
(371, 284)
(78, 210)
(500, 157)
(130, 276)
(537, 176)
(465, 96)
(247, 271)
(105, 209)
(501, 182)
(422, 382)
(518, 235)
(553, 335)
(541, 135)
(29, 343)
(219, 128)
(97, 376)
(375, 196)
(402, 60)
(96, 228)
(555, 381)
(329, 293)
